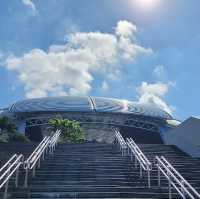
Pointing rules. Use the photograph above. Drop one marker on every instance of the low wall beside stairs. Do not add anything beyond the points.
(186, 136)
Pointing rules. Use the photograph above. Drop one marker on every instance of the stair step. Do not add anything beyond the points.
(95, 171)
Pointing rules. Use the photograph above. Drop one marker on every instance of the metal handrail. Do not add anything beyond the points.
(42, 150)
(46, 146)
(140, 158)
(138, 150)
(8, 170)
(37, 148)
(175, 179)
(119, 140)
(54, 140)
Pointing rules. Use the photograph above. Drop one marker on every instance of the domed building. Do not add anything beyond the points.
(97, 116)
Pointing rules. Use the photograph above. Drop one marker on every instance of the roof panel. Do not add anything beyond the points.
(147, 110)
(53, 104)
(124, 106)
(107, 104)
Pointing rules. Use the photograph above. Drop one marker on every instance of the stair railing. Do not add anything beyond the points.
(119, 140)
(175, 179)
(144, 163)
(54, 141)
(46, 146)
(10, 168)
(34, 159)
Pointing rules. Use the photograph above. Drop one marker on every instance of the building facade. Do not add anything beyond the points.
(97, 116)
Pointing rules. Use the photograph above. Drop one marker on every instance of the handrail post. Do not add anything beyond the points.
(16, 177)
(170, 189)
(39, 162)
(43, 154)
(33, 173)
(26, 176)
(159, 183)
(169, 184)
(149, 178)
(123, 150)
(140, 171)
(51, 150)
(183, 191)
(7, 183)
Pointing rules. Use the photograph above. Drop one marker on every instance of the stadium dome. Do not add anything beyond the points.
(97, 116)
(87, 104)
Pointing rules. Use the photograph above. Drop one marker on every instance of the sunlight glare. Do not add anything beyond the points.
(146, 4)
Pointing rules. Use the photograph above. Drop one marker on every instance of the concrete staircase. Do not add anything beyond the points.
(94, 170)
(187, 166)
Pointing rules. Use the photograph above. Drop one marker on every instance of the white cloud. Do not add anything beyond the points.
(104, 86)
(153, 94)
(31, 5)
(125, 29)
(159, 89)
(68, 69)
(126, 32)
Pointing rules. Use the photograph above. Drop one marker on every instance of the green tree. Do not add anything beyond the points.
(71, 130)
(7, 125)
(9, 131)
(56, 123)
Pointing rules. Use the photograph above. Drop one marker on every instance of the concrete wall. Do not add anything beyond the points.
(108, 118)
(21, 125)
(97, 126)
(99, 133)
(186, 136)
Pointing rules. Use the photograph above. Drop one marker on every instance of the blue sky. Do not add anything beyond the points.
(140, 50)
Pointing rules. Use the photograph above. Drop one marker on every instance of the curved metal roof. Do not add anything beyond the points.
(86, 104)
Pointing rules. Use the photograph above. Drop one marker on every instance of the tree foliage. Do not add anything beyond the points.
(7, 125)
(71, 130)
(9, 131)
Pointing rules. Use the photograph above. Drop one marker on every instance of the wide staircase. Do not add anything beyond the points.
(86, 171)
(94, 170)
(187, 166)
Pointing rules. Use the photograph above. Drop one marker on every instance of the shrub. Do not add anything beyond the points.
(3, 139)
(7, 125)
(17, 137)
(71, 130)
(8, 132)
